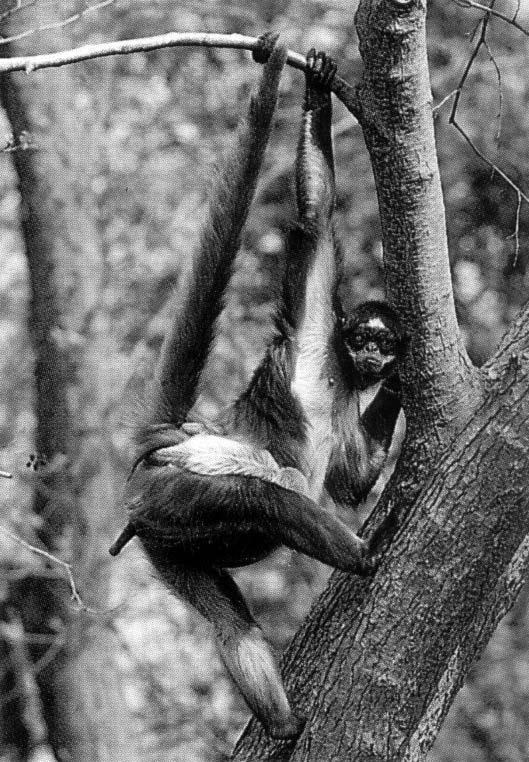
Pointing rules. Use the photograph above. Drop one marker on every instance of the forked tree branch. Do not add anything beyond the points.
(51, 558)
(453, 120)
(512, 20)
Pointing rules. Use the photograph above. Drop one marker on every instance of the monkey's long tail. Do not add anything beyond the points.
(243, 649)
(187, 345)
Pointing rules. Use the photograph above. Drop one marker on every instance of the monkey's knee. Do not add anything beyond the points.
(249, 660)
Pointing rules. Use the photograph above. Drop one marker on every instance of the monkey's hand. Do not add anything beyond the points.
(265, 44)
(319, 75)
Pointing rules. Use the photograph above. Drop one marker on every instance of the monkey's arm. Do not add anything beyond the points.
(315, 196)
(187, 343)
(314, 159)
(380, 416)
(268, 410)
(356, 462)
(312, 238)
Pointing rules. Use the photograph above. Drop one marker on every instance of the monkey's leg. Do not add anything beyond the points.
(304, 526)
(380, 416)
(243, 649)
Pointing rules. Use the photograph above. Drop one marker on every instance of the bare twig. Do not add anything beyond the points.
(27, 690)
(56, 24)
(54, 560)
(500, 89)
(489, 10)
(139, 45)
(482, 41)
(439, 106)
(18, 7)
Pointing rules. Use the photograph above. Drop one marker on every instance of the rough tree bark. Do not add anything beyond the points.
(378, 662)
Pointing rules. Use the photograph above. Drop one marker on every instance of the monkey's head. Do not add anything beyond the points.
(371, 337)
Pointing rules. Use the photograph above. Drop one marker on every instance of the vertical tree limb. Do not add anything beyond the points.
(79, 688)
(396, 118)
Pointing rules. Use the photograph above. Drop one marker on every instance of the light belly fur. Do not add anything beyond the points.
(311, 369)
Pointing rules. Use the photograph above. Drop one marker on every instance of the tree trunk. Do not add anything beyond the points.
(80, 688)
(378, 662)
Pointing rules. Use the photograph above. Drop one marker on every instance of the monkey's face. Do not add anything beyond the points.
(372, 349)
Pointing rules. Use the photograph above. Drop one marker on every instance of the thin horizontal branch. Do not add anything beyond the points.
(173, 39)
(139, 45)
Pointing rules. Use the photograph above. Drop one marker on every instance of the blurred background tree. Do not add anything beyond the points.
(123, 148)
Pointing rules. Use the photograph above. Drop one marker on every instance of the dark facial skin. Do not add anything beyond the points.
(372, 350)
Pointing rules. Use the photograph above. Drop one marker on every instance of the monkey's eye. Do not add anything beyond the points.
(357, 341)
(387, 346)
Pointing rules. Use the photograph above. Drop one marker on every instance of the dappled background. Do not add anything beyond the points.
(126, 146)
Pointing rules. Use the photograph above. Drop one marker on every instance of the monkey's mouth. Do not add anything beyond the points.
(372, 364)
(375, 366)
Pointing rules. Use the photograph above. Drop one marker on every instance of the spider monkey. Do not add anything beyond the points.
(367, 344)
(203, 497)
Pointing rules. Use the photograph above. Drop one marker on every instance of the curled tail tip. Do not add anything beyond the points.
(267, 49)
(264, 101)
(126, 535)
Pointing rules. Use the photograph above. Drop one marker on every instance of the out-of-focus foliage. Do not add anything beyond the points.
(145, 133)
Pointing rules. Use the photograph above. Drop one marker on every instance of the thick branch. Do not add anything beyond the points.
(37, 222)
(378, 663)
(396, 117)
